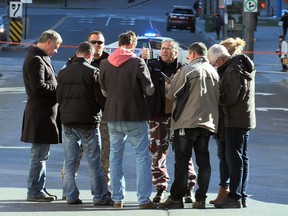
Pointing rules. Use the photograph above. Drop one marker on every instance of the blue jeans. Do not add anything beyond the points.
(236, 154)
(136, 133)
(197, 138)
(223, 167)
(37, 172)
(91, 144)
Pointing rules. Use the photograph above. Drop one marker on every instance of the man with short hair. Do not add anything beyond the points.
(237, 101)
(79, 96)
(97, 39)
(41, 125)
(125, 80)
(195, 92)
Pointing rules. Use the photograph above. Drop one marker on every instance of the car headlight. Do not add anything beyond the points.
(2, 30)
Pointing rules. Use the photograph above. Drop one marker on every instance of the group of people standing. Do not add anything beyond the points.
(131, 98)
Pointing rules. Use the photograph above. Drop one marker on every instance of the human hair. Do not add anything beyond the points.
(95, 33)
(282, 37)
(85, 48)
(52, 35)
(127, 38)
(174, 44)
(199, 48)
(216, 51)
(234, 46)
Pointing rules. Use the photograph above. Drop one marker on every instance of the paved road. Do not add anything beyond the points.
(13, 180)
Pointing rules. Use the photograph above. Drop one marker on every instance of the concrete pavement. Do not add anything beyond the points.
(12, 199)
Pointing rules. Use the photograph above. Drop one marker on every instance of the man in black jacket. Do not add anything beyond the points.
(80, 99)
(160, 115)
(97, 39)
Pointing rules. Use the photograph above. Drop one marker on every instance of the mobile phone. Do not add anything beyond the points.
(167, 79)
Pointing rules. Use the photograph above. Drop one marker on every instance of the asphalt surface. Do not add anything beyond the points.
(13, 200)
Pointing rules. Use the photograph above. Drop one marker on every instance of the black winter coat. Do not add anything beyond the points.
(79, 95)
(40, 121)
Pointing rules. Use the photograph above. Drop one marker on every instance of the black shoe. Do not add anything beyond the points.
(189, 197)
(63, 197)
(105, 202)
(199, 204)
(171, 204)
(74, 202)
(50, 195)
(283, 70)
(228, 203)
(244, 204)
(150, 205)
(44, 198)
(159, 196)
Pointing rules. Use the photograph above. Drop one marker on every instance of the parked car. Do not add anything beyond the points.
(152, 42)
(181, 17)
(3, 34)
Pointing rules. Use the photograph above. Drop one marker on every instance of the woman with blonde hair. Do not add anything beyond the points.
(234, 46)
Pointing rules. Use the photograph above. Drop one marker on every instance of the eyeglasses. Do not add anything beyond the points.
(214, 64)
(96, 42)
(167, 48)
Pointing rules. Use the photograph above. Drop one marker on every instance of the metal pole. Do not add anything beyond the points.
(26, 17)
(249, 28)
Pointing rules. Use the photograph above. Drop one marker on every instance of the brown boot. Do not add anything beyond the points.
(222, 194)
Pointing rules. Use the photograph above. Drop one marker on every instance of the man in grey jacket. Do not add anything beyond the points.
(194, 119)
(237, 100)
(125, 80)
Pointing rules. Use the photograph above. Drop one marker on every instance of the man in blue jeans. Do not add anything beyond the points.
(80, 99)
(125, 80)
(237, 100)
(41, 125)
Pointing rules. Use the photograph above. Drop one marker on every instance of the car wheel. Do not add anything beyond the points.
(168, 28)
(193, 30)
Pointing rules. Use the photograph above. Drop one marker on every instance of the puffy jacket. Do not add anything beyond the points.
(237, 96)
(201, 107)
(79, 95)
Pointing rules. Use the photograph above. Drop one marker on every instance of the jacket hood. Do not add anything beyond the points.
(241, 63)
(120, 56)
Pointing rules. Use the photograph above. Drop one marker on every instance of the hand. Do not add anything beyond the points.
(145, 54)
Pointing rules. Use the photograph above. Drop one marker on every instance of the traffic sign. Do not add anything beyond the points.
(15, 9)
(250, 5)
(27, 1)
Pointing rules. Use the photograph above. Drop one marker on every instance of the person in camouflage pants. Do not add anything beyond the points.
(160, 115)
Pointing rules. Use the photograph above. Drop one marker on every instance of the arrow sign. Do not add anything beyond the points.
(250, 5)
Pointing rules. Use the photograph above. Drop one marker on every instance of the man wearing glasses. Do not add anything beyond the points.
(160, 117)
(237, 100)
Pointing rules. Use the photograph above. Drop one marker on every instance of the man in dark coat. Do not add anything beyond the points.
(80, 99)
(40, 123)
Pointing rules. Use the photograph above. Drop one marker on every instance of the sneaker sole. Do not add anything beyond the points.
(40, 199)
(175, 206)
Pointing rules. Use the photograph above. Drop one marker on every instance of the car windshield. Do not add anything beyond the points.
(182, 11)
(1, 21)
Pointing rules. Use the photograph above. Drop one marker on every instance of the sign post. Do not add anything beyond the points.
(26, 2)
(250, 11)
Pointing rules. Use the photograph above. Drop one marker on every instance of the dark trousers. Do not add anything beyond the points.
(284, 66)
(197, 138)
(223, 167)
(236, 154)
(284, 30)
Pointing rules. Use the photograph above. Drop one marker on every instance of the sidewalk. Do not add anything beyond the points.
(12, 200)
